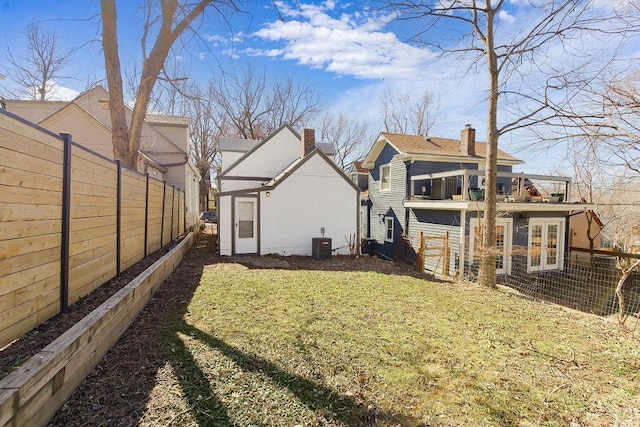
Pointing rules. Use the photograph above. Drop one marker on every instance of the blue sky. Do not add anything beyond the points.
(353, 53)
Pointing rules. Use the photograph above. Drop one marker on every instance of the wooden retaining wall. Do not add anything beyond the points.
(31, 394)
(70, 220)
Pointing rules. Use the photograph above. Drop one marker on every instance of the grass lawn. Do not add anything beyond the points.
(309, 347)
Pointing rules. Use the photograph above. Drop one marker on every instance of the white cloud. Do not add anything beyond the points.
(354, 45)
(55, 92)
(506, 17)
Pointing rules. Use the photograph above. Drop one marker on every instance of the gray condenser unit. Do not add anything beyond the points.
(321, 248)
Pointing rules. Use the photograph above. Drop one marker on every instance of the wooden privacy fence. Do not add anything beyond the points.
(70, 220)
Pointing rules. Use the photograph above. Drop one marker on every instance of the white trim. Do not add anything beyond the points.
(387, 220)
(463, 233)
(501, 206)
(387, 166)
(507, 223)
(545, 222)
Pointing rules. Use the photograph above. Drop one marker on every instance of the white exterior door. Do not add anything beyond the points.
(246, 225)
(546, 244)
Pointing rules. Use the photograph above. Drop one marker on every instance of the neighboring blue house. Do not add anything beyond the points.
(435, 186)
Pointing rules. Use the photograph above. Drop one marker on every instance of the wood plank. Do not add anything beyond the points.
(13, 177)
(105, 186)
(96, 200)
(91, 212)
(87, 272)
(23, 212)
(105, 177)
(27, 308)
(21, 229)
(93, 233)
(16, 129)
(84, 257)
(87, 170)
(15, 281)
(79, 224)
(38, 145)
(29, 260)
(22, 195)
(85, 157)
(27, 162)
(15, 247)
(86, 245)
(92, 285)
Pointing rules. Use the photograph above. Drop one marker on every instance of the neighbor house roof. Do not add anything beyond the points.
(238, 145)
(418, 144)
(359, 168)
(326, 148)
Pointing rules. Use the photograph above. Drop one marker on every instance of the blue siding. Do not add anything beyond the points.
(438, 217)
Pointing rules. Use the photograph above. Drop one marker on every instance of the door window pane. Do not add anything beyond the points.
(245, 220)
(536, 245)
(552, 244)
(500, 247)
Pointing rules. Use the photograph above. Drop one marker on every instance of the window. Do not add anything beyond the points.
(504, 227)
(388, 222)
(546, 244)
(245, 220)
(385, 178)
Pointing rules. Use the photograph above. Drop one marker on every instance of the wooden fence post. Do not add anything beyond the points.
(445, 254)
(66, 219)
(420, 257)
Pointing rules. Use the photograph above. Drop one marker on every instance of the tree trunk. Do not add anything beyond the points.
(487, 273)
(126, 140)
(119, 130)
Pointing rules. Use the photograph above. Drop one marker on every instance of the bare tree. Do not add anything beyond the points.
(509, 60)
(174, 18)
(403, 113)
(347, 137)
(38, 71)
(256, 106)
(205, 131)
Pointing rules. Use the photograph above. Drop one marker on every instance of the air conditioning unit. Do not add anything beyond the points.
(321, 248)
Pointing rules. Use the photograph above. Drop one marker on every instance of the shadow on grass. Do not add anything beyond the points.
(363, 263)
(313, 395)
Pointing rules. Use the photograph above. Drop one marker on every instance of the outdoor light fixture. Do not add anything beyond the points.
(524, 217)
(381, 218)
(268, 194)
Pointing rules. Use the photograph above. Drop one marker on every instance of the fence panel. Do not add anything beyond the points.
(154, 216)
(61, 221)
(93, 222)
(167, 215)
(30, 227)
(181, 213)
(134, 189)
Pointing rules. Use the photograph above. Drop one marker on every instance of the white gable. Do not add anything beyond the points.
(269, 158)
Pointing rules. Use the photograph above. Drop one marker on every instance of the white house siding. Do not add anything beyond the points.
(314, 196)
(388, 203)
(435, 229)
(228, 158)
(224, 225)
(272, 157)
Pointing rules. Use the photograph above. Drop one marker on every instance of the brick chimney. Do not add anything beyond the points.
(308, 141)
(468, 141)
